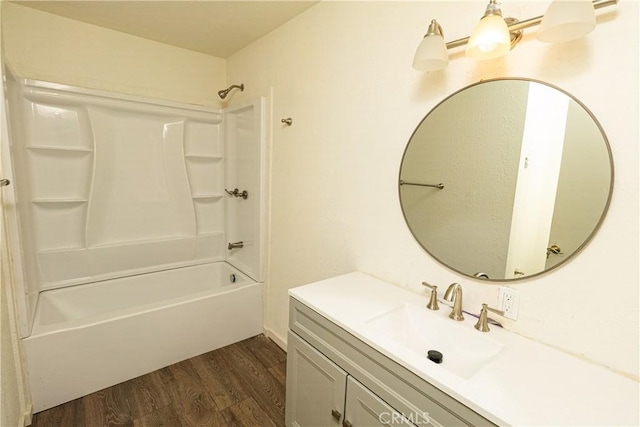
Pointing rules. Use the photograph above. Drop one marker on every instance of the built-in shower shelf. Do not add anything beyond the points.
(59, 201)
(170, 240)
(73, 261)
(57, 148)
(206, 196)
(203, 157)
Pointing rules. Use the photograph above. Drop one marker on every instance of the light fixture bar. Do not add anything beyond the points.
(527, 23)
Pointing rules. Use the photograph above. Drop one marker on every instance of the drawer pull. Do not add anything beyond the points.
(346, 423)
(336, 414)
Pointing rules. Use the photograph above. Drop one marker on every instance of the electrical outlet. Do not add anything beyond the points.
(508, 301)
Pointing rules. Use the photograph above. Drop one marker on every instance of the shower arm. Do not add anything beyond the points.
(224, 92)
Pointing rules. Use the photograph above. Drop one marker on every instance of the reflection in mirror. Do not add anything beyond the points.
(526, 174)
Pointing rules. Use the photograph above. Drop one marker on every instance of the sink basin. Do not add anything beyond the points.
(417, 330)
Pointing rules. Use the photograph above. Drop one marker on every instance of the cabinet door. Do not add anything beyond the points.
(365, 409)
(315, 387)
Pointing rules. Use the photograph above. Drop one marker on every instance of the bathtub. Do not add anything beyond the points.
(92, 336)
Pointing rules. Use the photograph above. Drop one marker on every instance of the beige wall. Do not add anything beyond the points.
(44, 46)
(342, 71)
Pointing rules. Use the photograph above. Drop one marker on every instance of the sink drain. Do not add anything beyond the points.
(435, 356)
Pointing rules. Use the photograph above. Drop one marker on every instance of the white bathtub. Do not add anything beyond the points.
(93, 336)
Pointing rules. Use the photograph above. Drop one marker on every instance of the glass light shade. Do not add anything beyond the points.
(490, 39)
(431, 54)
(567, 20)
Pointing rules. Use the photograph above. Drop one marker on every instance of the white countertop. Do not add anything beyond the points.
(526, 384)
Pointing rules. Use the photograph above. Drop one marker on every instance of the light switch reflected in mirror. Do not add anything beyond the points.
(527, 173)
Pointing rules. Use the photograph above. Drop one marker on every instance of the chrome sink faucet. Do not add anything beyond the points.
(454, 294)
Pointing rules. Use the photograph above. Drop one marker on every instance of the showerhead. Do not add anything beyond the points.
(223, 93)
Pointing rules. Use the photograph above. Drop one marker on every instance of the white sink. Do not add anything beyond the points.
(465, 350)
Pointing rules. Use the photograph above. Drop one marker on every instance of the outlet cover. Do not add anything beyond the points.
(509, 301)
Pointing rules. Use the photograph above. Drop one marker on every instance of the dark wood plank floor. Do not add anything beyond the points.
(239, 385)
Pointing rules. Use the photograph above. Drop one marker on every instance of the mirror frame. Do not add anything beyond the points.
(586, 241)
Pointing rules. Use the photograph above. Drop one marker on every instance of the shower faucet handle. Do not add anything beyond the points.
(237, 193)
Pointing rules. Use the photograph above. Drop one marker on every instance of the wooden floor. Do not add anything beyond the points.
(239, 385)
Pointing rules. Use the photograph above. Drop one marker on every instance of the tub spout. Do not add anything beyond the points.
(236, 245)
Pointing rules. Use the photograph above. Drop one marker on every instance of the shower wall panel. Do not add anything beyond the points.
(245, 159)
(110, 185)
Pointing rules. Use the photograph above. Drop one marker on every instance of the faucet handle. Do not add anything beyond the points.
(483, 321)
(433, 301)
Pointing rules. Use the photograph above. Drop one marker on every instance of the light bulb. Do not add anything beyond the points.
(490, 39)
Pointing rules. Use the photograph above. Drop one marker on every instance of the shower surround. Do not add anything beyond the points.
(129, 192)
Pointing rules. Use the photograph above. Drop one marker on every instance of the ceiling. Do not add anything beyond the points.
(215, 27)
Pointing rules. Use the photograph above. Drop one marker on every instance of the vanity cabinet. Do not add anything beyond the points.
(334, 378)
(320, 393)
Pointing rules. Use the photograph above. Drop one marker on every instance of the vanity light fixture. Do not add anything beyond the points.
(494, 35)
(432, 52)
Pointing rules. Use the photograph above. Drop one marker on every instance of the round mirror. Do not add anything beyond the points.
(506, 179)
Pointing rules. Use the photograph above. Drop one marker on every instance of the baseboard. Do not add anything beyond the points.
(280, 341)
